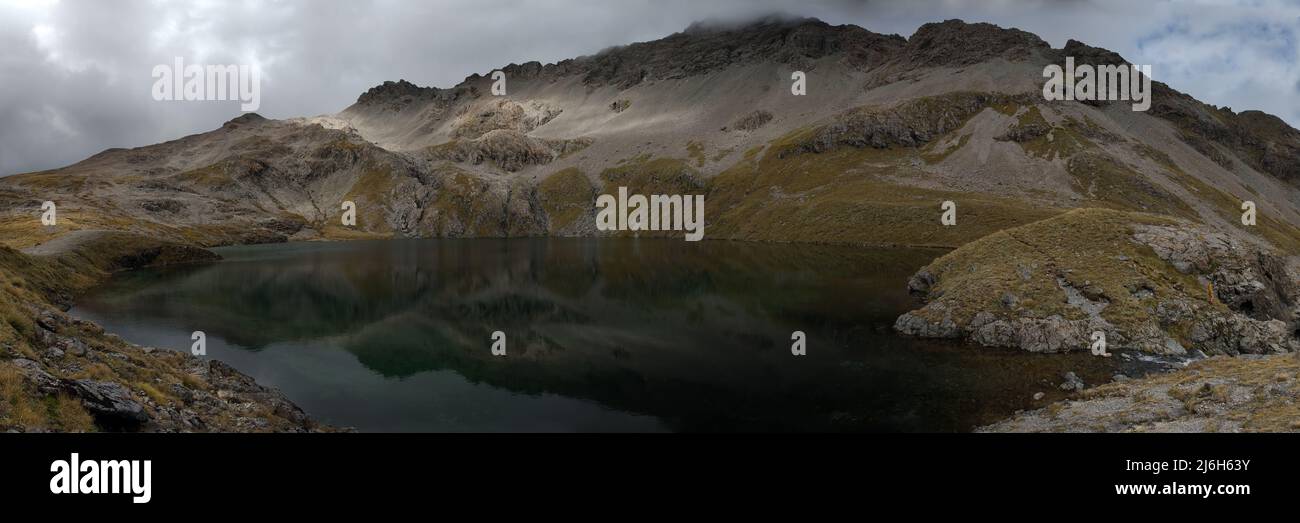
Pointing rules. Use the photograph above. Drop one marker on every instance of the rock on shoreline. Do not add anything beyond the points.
(59, 373)
(1248, 393)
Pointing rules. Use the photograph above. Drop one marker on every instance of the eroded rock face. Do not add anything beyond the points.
(1255, 284)
(915, 325)
(1051, 334)
(508, 149)
(909, 124)
(1235, 334)
(705, 47)
(1248, 280)
(395, 96)
(1260, 140)
(33, 372)
(955, 43)
(503, 115)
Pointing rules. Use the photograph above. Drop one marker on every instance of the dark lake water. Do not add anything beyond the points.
(602, 335)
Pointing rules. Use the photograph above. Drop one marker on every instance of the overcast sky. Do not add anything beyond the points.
(76, 76)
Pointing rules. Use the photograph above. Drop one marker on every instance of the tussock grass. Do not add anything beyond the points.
(1091, 249)
(566, 195)
(22, 407)
(846, 196)
(371, 193)
(1107, 182)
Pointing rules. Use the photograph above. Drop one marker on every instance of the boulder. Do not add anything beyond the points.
(111, 403)
(36, 374)
(1072, 383)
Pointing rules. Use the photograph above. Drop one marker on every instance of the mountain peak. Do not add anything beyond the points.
(398, 90)
(1087, 54)
(704, 46)
(955, 43)
(712, 45)
(246, 118)
(717, 25)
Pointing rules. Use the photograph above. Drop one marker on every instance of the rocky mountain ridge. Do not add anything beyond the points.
(1086, 194)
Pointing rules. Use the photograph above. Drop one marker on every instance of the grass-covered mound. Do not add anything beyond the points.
(1150, 283)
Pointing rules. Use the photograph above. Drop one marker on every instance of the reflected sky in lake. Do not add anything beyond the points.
(602, 335)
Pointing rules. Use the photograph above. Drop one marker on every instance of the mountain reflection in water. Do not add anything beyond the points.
(602, 335)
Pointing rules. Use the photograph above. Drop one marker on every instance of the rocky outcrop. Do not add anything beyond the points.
(1050, 334)
(111, 404)
(929, 327)
(908, 124)
(1253, 283)
(507, 149)
(36, 375)
(1247, 279)
(1087, 54)
(395, 96)
(753, 120)
(66, 374)
(503, 115)
(711, 46)
(185, 393)
(1235, 334)
(957, 43)
(1025, 133)
(1262, 141)
(1156, 285)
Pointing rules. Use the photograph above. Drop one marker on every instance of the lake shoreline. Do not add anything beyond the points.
(127, 256)
(863, 366)
(97, 381)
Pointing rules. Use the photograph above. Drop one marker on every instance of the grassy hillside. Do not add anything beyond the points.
(62, 374)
